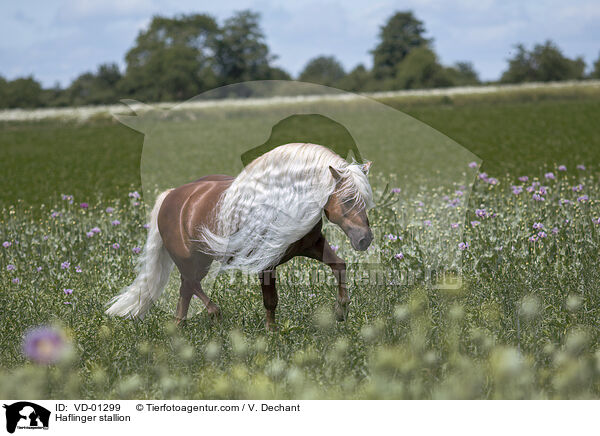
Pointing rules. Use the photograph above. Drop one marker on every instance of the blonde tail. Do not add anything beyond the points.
(154, 268)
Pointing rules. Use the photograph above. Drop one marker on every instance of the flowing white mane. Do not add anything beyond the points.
(275, 201)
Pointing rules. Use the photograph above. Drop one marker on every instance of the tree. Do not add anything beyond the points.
(463, 74)
(544, 63)
(402, 33)
(172, 59)
(23, 92)
(241, 52)
(99, 88)
(324, 70)
(595, 74)
(357, 80)
(421, 69)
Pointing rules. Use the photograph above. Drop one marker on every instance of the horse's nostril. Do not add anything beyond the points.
(364, 243)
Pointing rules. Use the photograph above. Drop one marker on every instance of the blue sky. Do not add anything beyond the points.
(55, 41)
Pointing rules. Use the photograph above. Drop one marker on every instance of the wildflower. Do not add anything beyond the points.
(10, 267)
(458, 193)
(110, 209)
(68, 198)
(454, 225)
(581, 167)
(137, 250)
(562, 168)
(95, 230)
(533, 238)
(492, 181)
(6, 244)
(44, 345)
(84, 205)
(483, 176)
(89, 234)
(481, 213)
(475, 223)
(596, 221)
(523, 179)
(39, 269)
(45, 237)
(116, 246)
(115, 222)
(550, 176)
(427, 222)
(399, 256)
(463, 246)
(68, 291)
(577, 188)
(137, 203)
(473, 165)
(146, 226)
(517, 190)
(134, 194)
(542, 234)
(583, 199)
(543, 190)
(538, 226)
(65, 265)
(396, 190)
(392, 237)
(55, 214)
(78, 269)
(538, 197)
(312, 295)
(554, 230)
(16, 280)
(564, 201)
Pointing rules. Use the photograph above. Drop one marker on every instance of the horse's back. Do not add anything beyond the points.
(187, 208)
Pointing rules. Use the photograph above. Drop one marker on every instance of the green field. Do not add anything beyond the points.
(523, 324)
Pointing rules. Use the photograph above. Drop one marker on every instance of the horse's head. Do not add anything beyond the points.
(348, 213)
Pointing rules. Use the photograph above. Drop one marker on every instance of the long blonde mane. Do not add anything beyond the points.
(275, 201)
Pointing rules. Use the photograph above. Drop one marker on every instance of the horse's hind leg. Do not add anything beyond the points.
(185, 295)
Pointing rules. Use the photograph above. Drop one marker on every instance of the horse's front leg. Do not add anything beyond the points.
(322, 251)
(270, 299)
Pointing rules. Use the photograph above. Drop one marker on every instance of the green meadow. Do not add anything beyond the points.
(519, 321)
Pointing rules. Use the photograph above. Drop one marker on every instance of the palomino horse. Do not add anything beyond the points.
(267, 215)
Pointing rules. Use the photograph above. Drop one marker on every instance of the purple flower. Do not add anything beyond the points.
(115, 222)
(533, 238)
(396, 190)
(538, 226)
(492, 181)
(481, 213)
(55, 214)
(538, 197)
(16, 280)
(455, 225)
(110, 209)
(562, 168)
(583, 199)
(550, 176)
(523, 179)
(564, 201)
(6, 244)
(68, 291)
(542, 234)
(577, 188)
(312, 295)
(116, 246)
(65, 265)
(596, 221)
(463, 246)
(473, 165)
(475, 223)
(543, 190)
(45, 237)
(89, 234)
(10, 267)
(458, 193)
(134, 194)
(39, 269)
(137, 250)
(554, 230)
(95, 230)
(84, 205)
(483, 176)
(392, 237)
(581, 167)
(78, 269)
(68, 198)
(427, 222)
(44, 345)
(517, 190)
(399, 256)
(146, 226)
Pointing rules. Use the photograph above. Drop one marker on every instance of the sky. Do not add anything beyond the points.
(55, 41)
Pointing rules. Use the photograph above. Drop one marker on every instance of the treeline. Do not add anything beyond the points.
(180, 57)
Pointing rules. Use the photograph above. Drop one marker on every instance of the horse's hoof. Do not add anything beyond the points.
(341, 310)
(214, 312)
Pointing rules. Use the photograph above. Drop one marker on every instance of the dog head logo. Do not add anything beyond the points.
(24, 414)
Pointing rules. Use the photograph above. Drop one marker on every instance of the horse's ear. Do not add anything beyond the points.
(366, 167)
(335, 173)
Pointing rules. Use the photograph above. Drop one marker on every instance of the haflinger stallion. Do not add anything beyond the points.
(270, 213)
